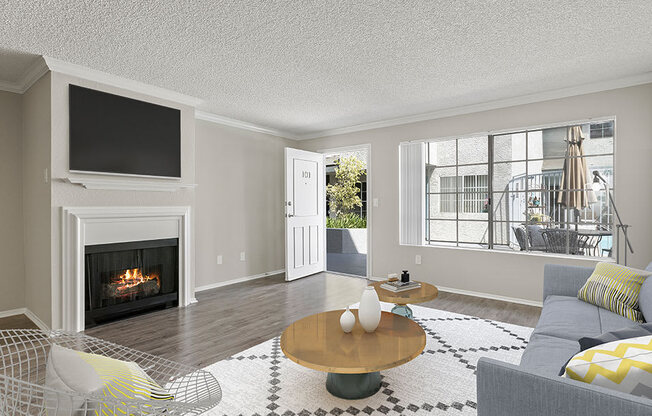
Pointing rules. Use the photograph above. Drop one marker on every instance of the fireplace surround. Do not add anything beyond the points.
(84, 227)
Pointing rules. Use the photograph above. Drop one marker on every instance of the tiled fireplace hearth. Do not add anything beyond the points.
(118, 261)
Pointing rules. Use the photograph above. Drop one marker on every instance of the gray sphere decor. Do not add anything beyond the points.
(23, 358)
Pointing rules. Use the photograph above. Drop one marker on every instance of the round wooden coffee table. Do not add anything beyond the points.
(353, 361)
(425, 293)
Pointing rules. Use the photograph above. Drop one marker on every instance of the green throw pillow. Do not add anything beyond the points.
(615, 288)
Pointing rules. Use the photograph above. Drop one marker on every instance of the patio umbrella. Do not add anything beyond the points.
(572, 190)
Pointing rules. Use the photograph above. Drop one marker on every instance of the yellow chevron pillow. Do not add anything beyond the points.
(615, 288)
(97, 376)
(624, 365)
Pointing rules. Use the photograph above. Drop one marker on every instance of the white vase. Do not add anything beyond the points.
(369, 312)
(347, 320)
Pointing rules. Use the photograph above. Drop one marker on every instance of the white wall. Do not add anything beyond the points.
(239, 201)
(12, 270)
(66, 194)
(513, 275)
(36, 197)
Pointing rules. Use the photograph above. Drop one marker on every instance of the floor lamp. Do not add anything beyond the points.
(599, 182)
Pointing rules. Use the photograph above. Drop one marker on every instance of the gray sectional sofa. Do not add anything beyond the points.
(534, 387)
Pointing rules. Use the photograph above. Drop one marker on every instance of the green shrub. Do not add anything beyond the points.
(346, 221)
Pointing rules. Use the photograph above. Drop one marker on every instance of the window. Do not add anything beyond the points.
(602, 130)
(520, 190)
(473, 197)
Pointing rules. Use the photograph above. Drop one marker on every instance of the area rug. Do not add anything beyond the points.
(441, 381)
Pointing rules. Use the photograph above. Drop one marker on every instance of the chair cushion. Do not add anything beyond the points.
(623, 365)
(568, 318)
(81, 374)
(616, 288)
(535, 236)
(546, 354)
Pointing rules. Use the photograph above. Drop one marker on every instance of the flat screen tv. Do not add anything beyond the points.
(118, 135)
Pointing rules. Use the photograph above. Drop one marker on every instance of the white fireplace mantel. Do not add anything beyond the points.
(83, 226)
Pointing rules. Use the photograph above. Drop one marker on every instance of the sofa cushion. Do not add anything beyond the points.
(645, 297)
(615, 335)
(546, 354)
(568, 318)
(611, 321)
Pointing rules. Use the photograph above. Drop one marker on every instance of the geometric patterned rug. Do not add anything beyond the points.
(441, 381)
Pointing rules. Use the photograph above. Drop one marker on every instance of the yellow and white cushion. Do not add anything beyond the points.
(615, 288)
(98, 376)
(623, 365)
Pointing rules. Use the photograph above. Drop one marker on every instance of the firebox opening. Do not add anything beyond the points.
(125, 279)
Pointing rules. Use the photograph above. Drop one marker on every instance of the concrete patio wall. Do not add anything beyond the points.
(346, 240)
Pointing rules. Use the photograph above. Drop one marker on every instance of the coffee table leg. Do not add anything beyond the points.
(353, 386)
(403, 310)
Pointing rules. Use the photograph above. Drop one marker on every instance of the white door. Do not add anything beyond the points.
(305, 218)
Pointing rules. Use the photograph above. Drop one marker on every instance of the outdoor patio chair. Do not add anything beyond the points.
(564, 241)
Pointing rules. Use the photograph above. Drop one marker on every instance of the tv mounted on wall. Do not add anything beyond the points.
(118, 135)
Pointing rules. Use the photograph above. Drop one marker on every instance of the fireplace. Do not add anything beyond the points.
(123, 279)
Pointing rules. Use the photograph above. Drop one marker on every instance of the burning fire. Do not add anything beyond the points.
(132, 278)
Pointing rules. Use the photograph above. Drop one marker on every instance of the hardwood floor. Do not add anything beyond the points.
(233, 318)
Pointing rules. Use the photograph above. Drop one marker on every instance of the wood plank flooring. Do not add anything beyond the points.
(233, 318)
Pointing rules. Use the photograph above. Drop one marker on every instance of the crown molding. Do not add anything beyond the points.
(225, 121)
(62, 67)
(33, 74)
(490, 105)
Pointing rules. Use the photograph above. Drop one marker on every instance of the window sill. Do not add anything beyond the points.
(521, 253)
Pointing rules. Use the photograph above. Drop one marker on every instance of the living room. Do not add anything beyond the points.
(170, 188)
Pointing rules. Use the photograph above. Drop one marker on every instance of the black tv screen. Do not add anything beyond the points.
(114, 134)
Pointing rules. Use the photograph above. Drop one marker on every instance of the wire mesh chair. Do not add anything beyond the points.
(24, 354)
(564, 241)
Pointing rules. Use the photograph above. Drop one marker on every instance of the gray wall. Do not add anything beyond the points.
(12, 271)
(240, 197)
(506, 274)
(36, 197)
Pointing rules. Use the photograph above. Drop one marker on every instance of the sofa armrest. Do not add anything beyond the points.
(506, 390)
(564, 280)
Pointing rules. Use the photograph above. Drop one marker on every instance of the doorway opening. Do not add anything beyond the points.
(347, 213)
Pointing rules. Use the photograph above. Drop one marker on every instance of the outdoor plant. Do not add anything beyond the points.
(343, 195)
(350, 220)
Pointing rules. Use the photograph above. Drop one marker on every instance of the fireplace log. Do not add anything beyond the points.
(147, 288)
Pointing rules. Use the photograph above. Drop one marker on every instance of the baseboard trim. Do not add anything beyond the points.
(490, 296)
(238, 280)
(29, 314)
(12, 312)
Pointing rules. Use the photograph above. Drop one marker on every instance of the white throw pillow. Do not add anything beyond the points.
(624, 365)
(81, 375)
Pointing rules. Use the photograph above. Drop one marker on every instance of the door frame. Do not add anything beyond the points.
(367, 147)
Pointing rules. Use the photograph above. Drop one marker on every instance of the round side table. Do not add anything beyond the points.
(353, 361)
(425, 293)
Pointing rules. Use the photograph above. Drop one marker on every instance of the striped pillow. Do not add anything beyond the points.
(89, 378)
(615, 288)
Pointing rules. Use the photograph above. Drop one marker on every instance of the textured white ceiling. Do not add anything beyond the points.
(305, 66)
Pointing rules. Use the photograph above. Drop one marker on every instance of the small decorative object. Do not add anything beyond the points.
(392, 277)
(369, 312)
(347, 320)
(405, 277)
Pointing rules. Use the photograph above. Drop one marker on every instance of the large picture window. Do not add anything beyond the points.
(526, 190)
